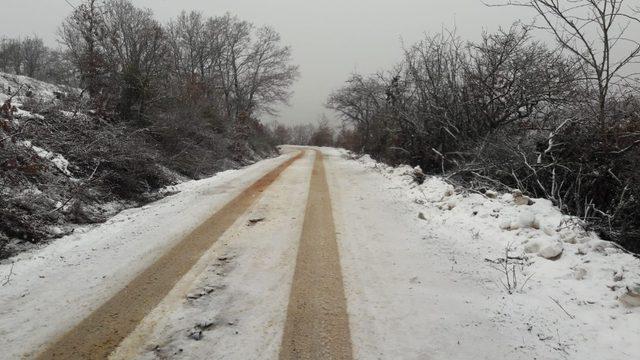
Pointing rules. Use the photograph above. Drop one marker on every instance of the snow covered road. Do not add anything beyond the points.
(416, 264)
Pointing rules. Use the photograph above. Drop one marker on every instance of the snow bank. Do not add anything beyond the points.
(539, 228)
(579, 294)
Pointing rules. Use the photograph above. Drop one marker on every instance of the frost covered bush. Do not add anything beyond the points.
(108, 165)
(506, 113)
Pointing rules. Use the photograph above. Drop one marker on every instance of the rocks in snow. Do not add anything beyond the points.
(569, 237)
(549, 230)
(491, 194)
(527, 220)
(421, 216)
(532, 247)
(449, 191)
(418, 175)
(579, 273)
(56, 231)
(601, 246)
(544, 249)
(195, 335)
(451, 204)
(582, 250)
(448, 205)
(618, 275)
(505, 225)
(256, 220)
(632, 297)
(520, 199)
(523, 200)
(551, 251)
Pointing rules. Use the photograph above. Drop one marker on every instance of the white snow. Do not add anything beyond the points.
(23, 114)
(53, 288)
(42, 91)
(421, 267)
(430, 289)
(10, 84)
(57, 160)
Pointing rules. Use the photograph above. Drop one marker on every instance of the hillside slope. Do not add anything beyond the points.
(61, 165)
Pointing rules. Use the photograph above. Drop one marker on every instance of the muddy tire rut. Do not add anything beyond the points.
(98, 335)
(317, 325)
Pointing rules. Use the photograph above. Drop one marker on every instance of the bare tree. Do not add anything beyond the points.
(301, 134)
(80, 33)
(271, 72)
(135, 49)
(358, 103)
(509, 77)
(119, 50)
(34, 54)
(58, 68)
(11, 57)
(599, 33)
(255, 70)
(323, 134)
(195, 53)
(191, 45)
(281, 134)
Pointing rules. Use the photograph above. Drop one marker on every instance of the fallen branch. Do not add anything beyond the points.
(16, 93)
(78, 187)
(563, 309)
(255, 221)
(6, 281)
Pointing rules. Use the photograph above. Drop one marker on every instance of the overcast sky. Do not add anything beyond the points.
(330, 38)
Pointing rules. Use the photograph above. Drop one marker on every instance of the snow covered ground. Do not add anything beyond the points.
(422, 267)
(10, 84)
(46, 291)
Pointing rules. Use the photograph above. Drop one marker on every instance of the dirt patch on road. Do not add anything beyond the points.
(317, 325)
(100, 333)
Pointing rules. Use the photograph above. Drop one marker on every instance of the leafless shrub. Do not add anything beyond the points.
(510, 267)
(510, 112)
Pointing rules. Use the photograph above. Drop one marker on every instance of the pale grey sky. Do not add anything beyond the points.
(330, 38)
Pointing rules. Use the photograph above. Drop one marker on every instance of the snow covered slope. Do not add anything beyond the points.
(10, 84)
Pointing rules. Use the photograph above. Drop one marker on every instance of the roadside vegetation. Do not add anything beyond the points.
(137, 105)
(556, 120)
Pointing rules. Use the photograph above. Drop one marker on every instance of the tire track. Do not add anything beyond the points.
(101, 332)
(317, 325)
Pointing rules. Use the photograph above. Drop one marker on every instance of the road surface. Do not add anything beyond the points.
(309, 255)
(317, 325)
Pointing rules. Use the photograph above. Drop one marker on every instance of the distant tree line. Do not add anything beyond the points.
(30, 57)
(319, 134)
(129, 62)
(561, 121)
